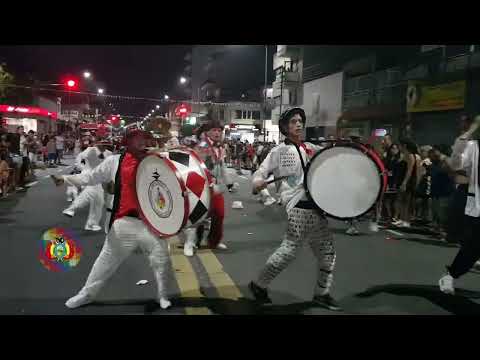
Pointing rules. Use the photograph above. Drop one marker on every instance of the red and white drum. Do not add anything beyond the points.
(174, 191)
(345, 180)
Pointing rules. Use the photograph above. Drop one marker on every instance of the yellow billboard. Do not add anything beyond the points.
(422, 97)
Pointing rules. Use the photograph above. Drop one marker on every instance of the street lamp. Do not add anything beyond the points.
(158, 106)
(166, 97)
(183, 80)
(100, 91)
(87, 74)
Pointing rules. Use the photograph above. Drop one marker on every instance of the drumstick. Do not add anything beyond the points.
(271, 182)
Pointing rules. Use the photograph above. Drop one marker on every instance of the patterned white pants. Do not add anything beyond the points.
(303, 225)
(125, 235)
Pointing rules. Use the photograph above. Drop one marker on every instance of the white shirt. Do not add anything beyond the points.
(91, 155)
(469, 162)
(284, 160)
(59, 142)
(102, 174)
(23, 145)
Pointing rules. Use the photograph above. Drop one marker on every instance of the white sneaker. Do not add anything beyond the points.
(222, 246)
(68, 212)
(446, 284)
(352, 231)
(93, 227)
(78, 300)
(164, 303)
(397, 222)
(269, 201)
(404, 224)
(69, 199)
(188, 250)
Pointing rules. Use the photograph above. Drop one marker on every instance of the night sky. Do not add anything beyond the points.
(131, 70)
(143, 71)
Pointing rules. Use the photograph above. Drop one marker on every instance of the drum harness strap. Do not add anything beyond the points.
(309, 204)
(117, 192)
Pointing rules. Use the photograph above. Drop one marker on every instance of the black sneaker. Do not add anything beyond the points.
(327, 302)
(260, 294)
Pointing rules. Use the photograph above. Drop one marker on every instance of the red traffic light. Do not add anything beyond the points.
(71, 83)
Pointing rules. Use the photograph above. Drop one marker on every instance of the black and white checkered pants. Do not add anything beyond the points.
(303, 225)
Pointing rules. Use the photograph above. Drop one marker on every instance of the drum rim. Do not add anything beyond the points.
(357, 146)
(183, 187)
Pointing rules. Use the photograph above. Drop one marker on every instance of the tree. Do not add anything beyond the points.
(5, 79)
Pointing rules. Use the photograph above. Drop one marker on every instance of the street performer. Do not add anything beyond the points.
(93, 196)
(127, 231)
(211, 150)
(305, 221)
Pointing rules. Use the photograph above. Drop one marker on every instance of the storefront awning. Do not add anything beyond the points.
(28, 111)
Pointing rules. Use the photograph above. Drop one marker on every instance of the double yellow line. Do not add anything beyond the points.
(187, 278)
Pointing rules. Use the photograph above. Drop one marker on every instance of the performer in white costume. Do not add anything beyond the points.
(127, 231)
(305, 221)
(91, 195)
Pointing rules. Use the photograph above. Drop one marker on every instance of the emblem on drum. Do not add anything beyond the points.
(160, 197)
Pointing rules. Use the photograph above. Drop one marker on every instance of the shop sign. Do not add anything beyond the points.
(422, 97)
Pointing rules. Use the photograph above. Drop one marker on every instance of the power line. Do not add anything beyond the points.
(169, 101)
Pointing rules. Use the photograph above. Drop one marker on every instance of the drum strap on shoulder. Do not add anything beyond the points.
(117, 192)
(288, 142)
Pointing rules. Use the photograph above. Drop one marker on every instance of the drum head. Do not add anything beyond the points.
(161, 196)
(343, 181)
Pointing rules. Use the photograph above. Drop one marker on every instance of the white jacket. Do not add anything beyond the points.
(469, 162)
(91, 155)
(102, 174)
(283, 160)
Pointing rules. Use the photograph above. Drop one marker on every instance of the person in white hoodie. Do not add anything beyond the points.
(91, 195)
(306, 223)
(466, 156)
(127, 231)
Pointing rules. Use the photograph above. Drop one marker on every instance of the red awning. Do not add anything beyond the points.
(28, 110)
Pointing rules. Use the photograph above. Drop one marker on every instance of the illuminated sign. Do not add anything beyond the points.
(183, 110)
(28, 110)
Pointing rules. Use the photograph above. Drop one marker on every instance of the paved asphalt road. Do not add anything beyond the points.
(375, 274)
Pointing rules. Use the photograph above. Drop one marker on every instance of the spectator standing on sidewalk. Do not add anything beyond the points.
(409, 183)
(442, 189)
(396, 171)
(52, 151)
(423, 195)
(60, 145)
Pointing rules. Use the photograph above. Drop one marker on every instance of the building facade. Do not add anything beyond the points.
(367, 90)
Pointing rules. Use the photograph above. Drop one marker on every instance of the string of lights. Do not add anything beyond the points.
(123, 97)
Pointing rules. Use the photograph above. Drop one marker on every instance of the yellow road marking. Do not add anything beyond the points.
(186, 280)
(220, 279)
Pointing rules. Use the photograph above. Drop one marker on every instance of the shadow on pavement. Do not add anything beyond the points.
(430, 242)
(460, 304)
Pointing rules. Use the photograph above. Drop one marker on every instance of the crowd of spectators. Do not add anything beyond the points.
(420, 187)
(22, 152)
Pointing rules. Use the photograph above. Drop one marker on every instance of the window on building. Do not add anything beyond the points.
(238, 114)
(454, 50)
(256, 115)
(221, 114)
